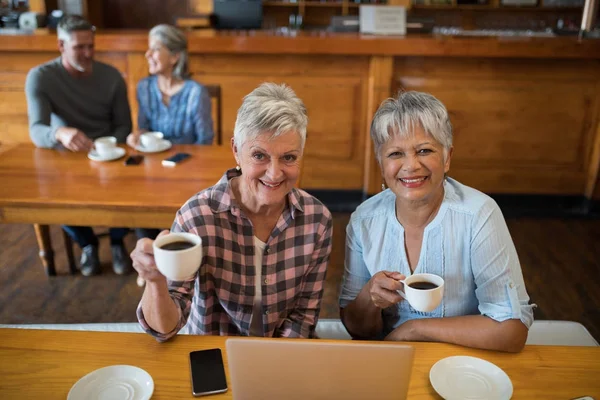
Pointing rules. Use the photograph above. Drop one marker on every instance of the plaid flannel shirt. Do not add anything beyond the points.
(219, 300)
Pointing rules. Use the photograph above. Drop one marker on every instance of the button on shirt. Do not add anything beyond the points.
(467, 243)
(256, 324)
(220, 299)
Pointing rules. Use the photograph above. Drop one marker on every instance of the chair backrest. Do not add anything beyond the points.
(216, 104)
(560, 333)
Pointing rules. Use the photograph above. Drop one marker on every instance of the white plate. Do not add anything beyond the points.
(463, 377)
(164, 145)
(115, 383)
(117, 153)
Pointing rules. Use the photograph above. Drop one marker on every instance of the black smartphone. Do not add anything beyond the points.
(134, 160)
(208, 372)
(176, 159)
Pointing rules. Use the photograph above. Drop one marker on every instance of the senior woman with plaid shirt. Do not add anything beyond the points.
(266, 244)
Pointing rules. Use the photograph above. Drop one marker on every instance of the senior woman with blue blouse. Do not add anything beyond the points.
(426, 222)
(266, 244)
(169, 101)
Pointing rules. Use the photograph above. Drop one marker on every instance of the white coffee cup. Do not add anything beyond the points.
(178, 265)
(423, 300)
(151, 140)
(105, 145)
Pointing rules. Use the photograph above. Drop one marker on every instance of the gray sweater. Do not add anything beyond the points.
(96, 104)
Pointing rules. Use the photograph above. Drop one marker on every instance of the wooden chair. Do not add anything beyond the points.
(42, 233)
(216, 105)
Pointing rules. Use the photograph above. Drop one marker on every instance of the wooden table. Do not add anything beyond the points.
(45, 364)
(41, 186)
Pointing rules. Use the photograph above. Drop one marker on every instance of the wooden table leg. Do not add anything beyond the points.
(42, 233)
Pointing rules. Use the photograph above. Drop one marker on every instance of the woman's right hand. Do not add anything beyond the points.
(143, 260)
(383, 288)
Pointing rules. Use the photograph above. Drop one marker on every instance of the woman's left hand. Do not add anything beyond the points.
(403, 333)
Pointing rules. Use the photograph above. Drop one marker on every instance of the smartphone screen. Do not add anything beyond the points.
(208, 372)
(177, 158)
(134, 160)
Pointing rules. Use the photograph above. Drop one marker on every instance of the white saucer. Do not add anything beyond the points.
(463, 377)
(115, 383)
(117, 153)
(164, 145)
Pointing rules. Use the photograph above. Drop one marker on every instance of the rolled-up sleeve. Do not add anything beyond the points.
(498, 277)
(181, 292)
(356, 274)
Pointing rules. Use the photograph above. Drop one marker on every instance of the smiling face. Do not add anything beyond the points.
(78, 51)
(160, 59)
(270, 168)
(414, 167)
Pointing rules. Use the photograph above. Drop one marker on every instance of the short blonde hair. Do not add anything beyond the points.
(270, 108)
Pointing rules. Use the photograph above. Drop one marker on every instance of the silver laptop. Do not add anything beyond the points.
(292, 369)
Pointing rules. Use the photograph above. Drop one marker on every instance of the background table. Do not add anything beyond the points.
(41, 186)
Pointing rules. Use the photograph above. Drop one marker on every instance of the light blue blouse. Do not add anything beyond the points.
(467, 243)
(187, 119)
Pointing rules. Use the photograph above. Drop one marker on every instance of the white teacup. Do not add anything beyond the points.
(105, 145)
(178, 264)
(428, 297)
(151, 140)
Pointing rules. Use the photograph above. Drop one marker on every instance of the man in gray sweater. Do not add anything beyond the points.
(72, 100)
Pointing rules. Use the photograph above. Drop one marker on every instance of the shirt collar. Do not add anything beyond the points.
(223, 199)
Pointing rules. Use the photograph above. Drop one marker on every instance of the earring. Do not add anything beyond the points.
(382, 187)
(238, 168)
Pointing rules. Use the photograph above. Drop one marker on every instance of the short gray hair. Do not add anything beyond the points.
(401, 115)
(72, 23)
(176, 42)
(270, 108)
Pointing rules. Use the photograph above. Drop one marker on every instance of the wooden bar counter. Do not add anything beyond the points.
(526, 111)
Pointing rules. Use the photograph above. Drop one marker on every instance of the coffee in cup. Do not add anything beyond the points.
(151, 140)
(178, 255)
(179, 245)
(105, 146)
(423, 292)
(423, 285)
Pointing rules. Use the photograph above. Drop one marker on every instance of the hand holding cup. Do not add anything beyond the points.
(384, 287)
(423, 292)
(143, 259)
(175, 256)
(178, 255)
